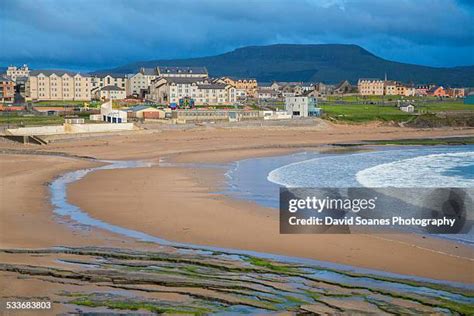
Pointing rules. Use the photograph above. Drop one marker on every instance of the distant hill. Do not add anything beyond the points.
(328, 63)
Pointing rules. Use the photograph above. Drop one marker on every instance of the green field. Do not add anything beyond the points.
(359, 98)
(15, 120)
(360, 113)
(59, 103)
(365, 113)
(445, 106)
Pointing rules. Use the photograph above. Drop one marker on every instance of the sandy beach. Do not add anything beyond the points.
(179, 203)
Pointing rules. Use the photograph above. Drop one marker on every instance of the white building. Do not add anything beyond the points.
(301, 106)
(110, 93)
(172, 90)
(138, 84)
(408, 108)
(100, 81)
(108, 114)
(14, 72)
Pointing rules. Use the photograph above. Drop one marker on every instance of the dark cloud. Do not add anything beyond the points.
(92, 34)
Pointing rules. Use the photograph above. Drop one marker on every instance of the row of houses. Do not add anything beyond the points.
(174, 85)
(373, 86)
(166, 85)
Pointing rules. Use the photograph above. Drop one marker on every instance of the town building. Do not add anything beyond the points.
(145, 112)
(110, 93)
(301, 106)
(250, 86)
(343, 87)
(173, 90)
(437, 91)
(183, 72)
(58, 85)
(109, 115)
(422, 89)
(267, 94)
(408, 108)
(14, 72)
(100, 81)
(184, 116)
(371, 86)
(7, 90)
(138, 84)
(323, 89)
(455, 92)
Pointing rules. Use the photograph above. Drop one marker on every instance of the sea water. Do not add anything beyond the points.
(259, 179)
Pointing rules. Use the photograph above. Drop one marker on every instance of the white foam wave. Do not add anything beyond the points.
(421, 171)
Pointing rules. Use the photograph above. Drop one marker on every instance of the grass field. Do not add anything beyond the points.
(60, 103)
(365, 113)
(445, 106)
(15, 120)
(359, 98)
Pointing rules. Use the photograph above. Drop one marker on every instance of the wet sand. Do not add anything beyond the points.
(178, 203)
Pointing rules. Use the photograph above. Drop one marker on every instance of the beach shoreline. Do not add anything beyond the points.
(181, 203)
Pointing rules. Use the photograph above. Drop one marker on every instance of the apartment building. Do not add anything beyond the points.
(182, 72)
(249, 85)
(7, 90)
(369, 86)
(138, 84)
(392, 87)
(301, 106)
(100, 81)
(110, 93)
(14, 72)
(171, 90)
(58, 85)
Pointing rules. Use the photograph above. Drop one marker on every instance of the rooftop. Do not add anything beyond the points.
(60, 73)
(112, 88)
(182, 70)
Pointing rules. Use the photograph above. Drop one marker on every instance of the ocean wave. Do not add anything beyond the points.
(422, 171)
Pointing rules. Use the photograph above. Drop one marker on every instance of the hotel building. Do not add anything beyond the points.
(171, 90)
(371, 86)
(58, 85)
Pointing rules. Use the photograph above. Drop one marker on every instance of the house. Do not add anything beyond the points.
(108, 114)
(103, 80)
(183, 72)
(7, 90)
(138, 84)
(343, 87)
(301, 106)
(110, 93)
(248, 85)
(422, 89)
(144, 111)
(437, 91)
(408, 108)
(371, 86)
(173, 90)
(267, 94)
(455, 92)
(58, 85)
(323, 88)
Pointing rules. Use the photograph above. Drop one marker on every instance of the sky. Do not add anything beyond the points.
(97, 34)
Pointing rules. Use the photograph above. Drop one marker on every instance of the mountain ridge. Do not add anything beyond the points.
(330, 63)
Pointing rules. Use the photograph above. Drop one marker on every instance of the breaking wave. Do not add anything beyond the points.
(436, 170)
